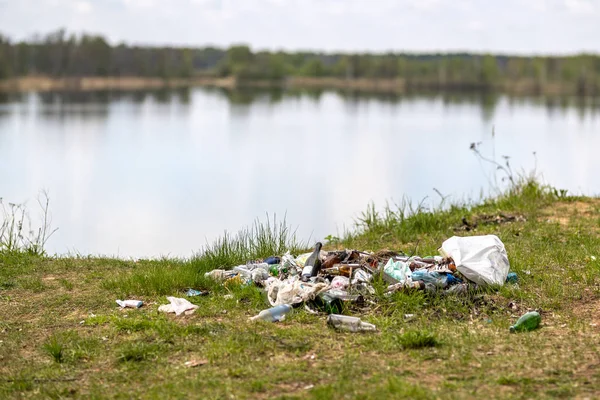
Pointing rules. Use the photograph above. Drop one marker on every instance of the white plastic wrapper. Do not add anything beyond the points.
(481, 259)
(340, 282)
(178, 306)
(292, 291)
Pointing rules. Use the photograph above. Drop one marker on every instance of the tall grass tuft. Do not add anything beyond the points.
(164, 277)
(55, 349)
(17, 234)
(262, 239)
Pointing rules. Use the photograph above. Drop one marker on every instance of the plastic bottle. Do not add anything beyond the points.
(349, 324)
(130, 303)
(272, 260)
(527, 322)
(312, 264)
(273, 314)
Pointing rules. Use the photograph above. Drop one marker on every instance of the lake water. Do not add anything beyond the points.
(161, 173)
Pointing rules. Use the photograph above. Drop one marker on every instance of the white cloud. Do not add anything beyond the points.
(139, 3)
(580, 6)
(425, 5)
(475, 26)
(83, 7)
(525, 26)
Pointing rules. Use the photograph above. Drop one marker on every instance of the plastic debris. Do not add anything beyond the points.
(349, 324)
(130, 303)
(178, 306)
(340, 282)
(195, 363)
(293, 291)
(481, 259)
(220, 274)
(399, 270)
(272, 260)
(273, 314)
(193, 292)
(512, 277)
(337, 282)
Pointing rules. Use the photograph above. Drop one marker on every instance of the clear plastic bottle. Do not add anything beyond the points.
(273, 314)
(350, 324)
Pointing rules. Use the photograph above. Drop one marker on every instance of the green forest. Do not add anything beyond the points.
(60, 54)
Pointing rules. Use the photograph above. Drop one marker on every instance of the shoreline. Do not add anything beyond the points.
(63, 332)
(391, 86)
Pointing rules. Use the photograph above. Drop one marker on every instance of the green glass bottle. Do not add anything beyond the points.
(527, 322)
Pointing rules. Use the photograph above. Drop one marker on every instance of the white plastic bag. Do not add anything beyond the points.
(178, 306)
(340, 282)
(293, 291)
(481, 259)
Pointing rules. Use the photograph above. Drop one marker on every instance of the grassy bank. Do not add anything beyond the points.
(519, 87)
(62, 335)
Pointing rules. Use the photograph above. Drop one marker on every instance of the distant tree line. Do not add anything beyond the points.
(59, 54)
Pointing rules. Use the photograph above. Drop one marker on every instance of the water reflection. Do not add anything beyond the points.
(154, 172)
(97, 103)
(486, 101)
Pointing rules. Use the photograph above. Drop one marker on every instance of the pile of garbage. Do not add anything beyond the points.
(326, 281)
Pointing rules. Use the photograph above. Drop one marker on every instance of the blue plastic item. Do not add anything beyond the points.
(272, 260)
(512, 277)
(452, 280)
(194, 292)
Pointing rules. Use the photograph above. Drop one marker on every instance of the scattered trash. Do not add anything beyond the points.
(489, 219)
(336, 282)
(228, 296)
(130, 303)
(349, 324)
(512, 277)
(178, 306)
(399, 270)
(194, 292)
(195, 363)
(340, 282)
(527, 322)
(293, 291)
(272, 260)
(329, 302)
(274, 314)
(220, 274)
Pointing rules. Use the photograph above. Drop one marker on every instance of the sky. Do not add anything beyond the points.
(508, 26)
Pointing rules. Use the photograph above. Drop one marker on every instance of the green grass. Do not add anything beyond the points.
(418, 339)
(62, 334)
(55, 349)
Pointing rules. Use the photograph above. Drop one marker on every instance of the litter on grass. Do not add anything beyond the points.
(178, 306)
(130, 303)
(327, 281)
